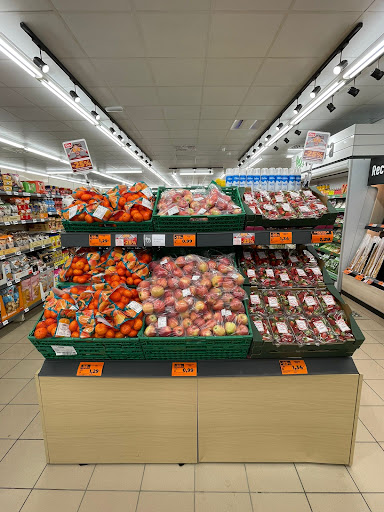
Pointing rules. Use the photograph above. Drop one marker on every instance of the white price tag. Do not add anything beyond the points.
(320, 326)
(248, 197)
(310, 301)
(100, 212)
(342, 325)
(307, 193)
(301, 273)
(259, 325)
(34, 220)
(201, 211)
(173, 210)
(273, 302)
(286, 207)
(302, 325)
(158, 240)
(18, 253)
(7, 223)
(293, 259)
(186, 292)
(147, 204)
(9, 283)
(64, 351)
(195, 278)
(5, 322)
(135, 306)
(282, 328)
(147, 192)
(62, 330)
(251, 272)
(262, 255)
(269, 272)
(162, 322)
(316, 271)
(23, 221)
(304, 209)
(199, 198)
(226, 312)
(284, 276)
(329, 300)
(247, 255)
(26, 310)
(255, 299)
(292, 301)
(279, 198)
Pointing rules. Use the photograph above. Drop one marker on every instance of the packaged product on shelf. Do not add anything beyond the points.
(262, 325)
(290, 301)
(315, 275)
(309, 303)
(272, 302)
(339, 323)
(303, 331)
(322, 329)
(35, 288)
(283, 278)
(266, 277)
(328, 302)
(29, 186)
(10, 301)
(281, 330)
(256, 302)
(26, 292)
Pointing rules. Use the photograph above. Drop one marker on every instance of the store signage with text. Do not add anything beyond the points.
(376, 171)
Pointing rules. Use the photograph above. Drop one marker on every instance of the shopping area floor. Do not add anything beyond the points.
(28, 484)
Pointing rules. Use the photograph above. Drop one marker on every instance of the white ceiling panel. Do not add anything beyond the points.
(272, 70)
(85, 71)
(179, 95)
(244, 34)
(94, 5)
(257, 112)
(25, 5)
(172, 5)
(121, 34)
(182, 124)
(268, 95)
(31, 114)
(377, 5)
(216, 124)
(123, 72)
(175, 72)
(224, 95)
(12, 98)
(177, 134)
(151, 124)
(132, 96)
(252, 5)
(156, 134)
(175, 112)
(218, 111)
(174, 34)
(13, 76)
(331, 5)
(231, 71)
(139, 113)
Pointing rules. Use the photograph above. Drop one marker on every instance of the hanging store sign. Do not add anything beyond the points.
(315, 147)
(78, 155)
(376, 171)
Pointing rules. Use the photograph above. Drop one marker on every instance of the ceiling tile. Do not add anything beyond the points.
(103, 95)
(85, 71)
(215, 124)
(31, 113)
(13, 76)
(94, 5)
(22, 5)
(179, 95)
(224, 95)
(248, 35)
(378, 5)
(124, 72)
(61, 113)
(289, 71)
(174, 34)
(172, 5)
(251, 5)
(151, 124)
(311, 43)
(331, 5)
(178, 134)
(231, 71)
(138, 113)
(218, 112)
(132, 96)
(268, 95)
(187, 72)
(156, 134)
(175, 112)
(121, 35)
(12, 98)
(6, 115)
(183, 124)
(257, 112)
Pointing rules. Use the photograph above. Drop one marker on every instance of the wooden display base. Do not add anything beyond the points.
(233, 411)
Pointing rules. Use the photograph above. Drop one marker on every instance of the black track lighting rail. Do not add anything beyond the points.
(344, 43)
(39, 43)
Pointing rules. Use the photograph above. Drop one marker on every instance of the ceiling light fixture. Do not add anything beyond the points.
(371, 54)
(198, 172)
(96, 115)
(75, 96)
(297, 109)
(260, 145)
(129, 171)
(11, 51)
(340, 66)
(377, 74)
(268, 137)
(279, 126)
(42, 153)
(275, 148)
(11, 143)
(297, 132)
(315, 91)
(331, 107)
(286, 140)
(41, 64)
(278, 135)
(353, 91)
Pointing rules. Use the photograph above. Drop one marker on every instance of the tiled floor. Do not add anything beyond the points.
(27, 484)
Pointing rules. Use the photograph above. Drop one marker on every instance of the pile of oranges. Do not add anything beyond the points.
(78, 270)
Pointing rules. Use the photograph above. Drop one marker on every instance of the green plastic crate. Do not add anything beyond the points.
(199, 348)
(91, 349)
(201, 223)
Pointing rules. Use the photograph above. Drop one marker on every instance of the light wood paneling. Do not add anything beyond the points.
(368, 294)
(119, 420)
(300, 418)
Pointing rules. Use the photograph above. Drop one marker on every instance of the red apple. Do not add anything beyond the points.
(184, 282)
(169, 302)
(180, 261)
(242, 319)
(217, 280)
(178, 331)
(181, 306)
(206, 332)
(178, 272)
(227, 284)
(201, 291)
(223, 269)
(165, 331)
(148, 308)
(210, 323)
(188, 269)
(193, 316)
(162, 282)
(218, 305)
(236, 305)
(159, 306)
(144, 284)
(203, 266)
(150, 331)
(242, 330)
(172, 322)
(200, 306)
(187, 322)
(206, 282)
(212, 265)
(193, 331)
(144, 294)
(157, 291)
(178, 294)
(199, 322)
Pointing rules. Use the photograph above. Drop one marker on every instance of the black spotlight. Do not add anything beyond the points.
(260, 145)
(120, 137)
(248, 156)
(275, 148)
(286, 140)
(353, 91)
(128, 145)
(297, 109)
(254, 150)
(112, 130)
(297, 132)
(75, 96)
(268, 137)
(41, 64)
(242, 161)
(331, 107)
(340, 66)
(95, 115)
(279, 126)
(377, 74)
(315, 91)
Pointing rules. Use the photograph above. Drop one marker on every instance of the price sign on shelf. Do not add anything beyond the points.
(184, 240)
(184, 369)
(347, 271)
(243, 238)
(102, 240)
(359, 277)
(320, 237)
(280, 237)
(90, 369)
(293, 367)
(125, 240)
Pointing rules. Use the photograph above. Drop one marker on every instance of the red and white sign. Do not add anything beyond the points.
(78, 155)
(315, 147)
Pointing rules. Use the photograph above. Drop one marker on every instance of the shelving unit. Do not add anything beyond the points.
(25, 310)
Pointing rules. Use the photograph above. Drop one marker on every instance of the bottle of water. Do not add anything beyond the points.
(291, 179)
(236, 178)
(284, 184)
(297, 179)
(256, 179)
(228, 178)
(278, 179)
(242, 177)
(271, 179)
(249, 179)
(264, 179)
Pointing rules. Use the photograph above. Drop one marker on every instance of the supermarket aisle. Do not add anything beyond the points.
(28, 484)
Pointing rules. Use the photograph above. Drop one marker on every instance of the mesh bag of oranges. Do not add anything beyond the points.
(82, 266)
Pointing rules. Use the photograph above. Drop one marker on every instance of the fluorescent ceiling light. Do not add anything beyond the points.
(278, 135)
(109, 135)
(11, 168)
(371, 54)
(257, 161)
(119, 180)
(41, 153)
(11, 143)
(130, 171)
(195, 173)
(53, 173)
(175, 177)
(11, 51)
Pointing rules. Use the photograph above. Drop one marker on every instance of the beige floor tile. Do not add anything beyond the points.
(17, 351)
(9, 388)
(14, 419)
(273, 502)
(370, 369)
(65, 476)
(364, 470)
(376, 335)
(369, 325)
(334, 502)
(24, 369)
(117, 477)
(28, 395)
(35, 354)
(109, 501)
(375, 350)
(34, 429)
(375, 501)
(325, 478)
(24, 328)
(221, 477)
(4, 347)
(370, 338)
(222, 502)
(6, 365)
(377, 386)
(5, 446)
(363, 435)
(23, 464)
(168, 477)
(373, 418)
(360, 354)
(165, 502)
(11, 500)
(13, 336)
(53, 501)
(273, 478)
(369, 396)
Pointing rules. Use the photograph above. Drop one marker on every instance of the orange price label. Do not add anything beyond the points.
(347, 271)
(184, 240)
(103, 240)
(90, 369)
(293, 367)
(359, 277)
(184, 369)
(320, 237)
(282, 237)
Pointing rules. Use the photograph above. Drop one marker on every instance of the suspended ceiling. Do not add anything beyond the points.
(183, 71)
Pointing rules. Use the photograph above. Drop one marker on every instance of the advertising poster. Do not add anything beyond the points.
(315, 147)
(78, 156)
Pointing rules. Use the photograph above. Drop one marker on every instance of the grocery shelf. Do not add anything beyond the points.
(218, 239)
(337, 225)
(365, 279)
(29, 194)
(375, 227)
(25, 251)
(332, 275)
(22, 222)
(335, 196)
(11, 282)
(326, 251)
(25, 310)
(340, 210)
